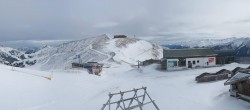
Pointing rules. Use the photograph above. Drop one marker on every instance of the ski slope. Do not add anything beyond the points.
(23, 89)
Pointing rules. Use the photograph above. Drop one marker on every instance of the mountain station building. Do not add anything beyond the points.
(178, 59)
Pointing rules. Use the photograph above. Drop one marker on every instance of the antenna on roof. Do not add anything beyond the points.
(79, 57)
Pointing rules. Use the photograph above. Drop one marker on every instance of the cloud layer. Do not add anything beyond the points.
(75, 19)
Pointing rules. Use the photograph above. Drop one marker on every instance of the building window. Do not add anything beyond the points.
(182, 62)
(172, 63)
(194, 62)
(198, 61)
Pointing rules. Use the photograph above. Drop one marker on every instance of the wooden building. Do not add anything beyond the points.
(225, 56)
(92, 67)
(177, 59)
(240, 85)
(208, 77)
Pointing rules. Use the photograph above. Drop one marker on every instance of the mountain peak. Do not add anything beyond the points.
(104, 48)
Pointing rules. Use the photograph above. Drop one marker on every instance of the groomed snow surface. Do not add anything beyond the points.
(78, 90)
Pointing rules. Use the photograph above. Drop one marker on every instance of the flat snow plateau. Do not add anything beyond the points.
(78, 90)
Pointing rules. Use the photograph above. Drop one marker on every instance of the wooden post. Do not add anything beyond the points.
(138, 64)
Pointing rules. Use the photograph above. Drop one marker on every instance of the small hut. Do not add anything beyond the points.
(120, 36)
(92, 67)
(240, 85)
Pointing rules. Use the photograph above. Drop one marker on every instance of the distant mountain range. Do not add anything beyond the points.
(107, 49)
(31, 46)
(241, 46)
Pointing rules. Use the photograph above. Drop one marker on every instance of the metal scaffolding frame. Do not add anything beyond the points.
(128, 103)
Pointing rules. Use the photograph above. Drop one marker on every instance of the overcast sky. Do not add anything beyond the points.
(76, 19)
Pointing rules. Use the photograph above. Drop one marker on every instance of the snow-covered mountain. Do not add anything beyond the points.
(244, 49)
(103, 48)
(240, 45)
(31, 46)
(228, 42)
(12, 56)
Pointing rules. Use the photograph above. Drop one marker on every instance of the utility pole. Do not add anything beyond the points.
(79, 56)
(138, 64)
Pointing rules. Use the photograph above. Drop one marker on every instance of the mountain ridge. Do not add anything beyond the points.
(104, 49)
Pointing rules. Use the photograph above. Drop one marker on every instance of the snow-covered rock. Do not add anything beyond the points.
(102, 48)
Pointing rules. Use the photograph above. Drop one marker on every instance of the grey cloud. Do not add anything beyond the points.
(76, 19)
